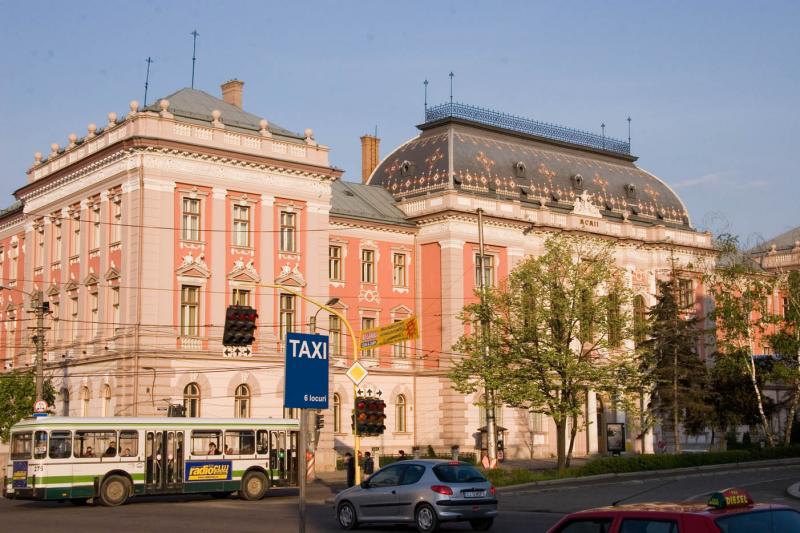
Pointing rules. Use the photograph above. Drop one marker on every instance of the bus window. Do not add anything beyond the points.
(40, 445)
(263, 442)
(239, 442)
(21, 445)
(95, 443)
(206, 442)
(60, 444)
(128, 443)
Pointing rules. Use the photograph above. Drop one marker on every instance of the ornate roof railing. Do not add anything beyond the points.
(526, 125)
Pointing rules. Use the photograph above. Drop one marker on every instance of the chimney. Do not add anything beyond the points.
(370, 145)
(232, 92)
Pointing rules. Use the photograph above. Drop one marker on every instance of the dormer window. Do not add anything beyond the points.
(577, 182)
(630, 191)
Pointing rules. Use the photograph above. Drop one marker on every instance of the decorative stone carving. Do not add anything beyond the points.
(194, 266)
(245, 271)
(585, 207)
(264, 131)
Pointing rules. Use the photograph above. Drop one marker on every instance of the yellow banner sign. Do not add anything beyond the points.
(404, 330)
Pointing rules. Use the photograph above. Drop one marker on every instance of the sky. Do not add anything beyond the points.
(711, 87)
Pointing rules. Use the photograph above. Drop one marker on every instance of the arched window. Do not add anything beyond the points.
(400, 414)
(106, 400)
(337, 413)
(84, 401)
(639, 319)
(241, 406)
(191, 399)
(65, 402)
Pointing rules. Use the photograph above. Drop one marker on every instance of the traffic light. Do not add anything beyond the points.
(361, 415)
(375, 416)
(240, 326)
(319, 421)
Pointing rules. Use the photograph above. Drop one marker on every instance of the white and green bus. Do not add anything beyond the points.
(112, 459)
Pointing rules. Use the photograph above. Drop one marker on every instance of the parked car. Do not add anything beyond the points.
(421, 492)
(729, 511)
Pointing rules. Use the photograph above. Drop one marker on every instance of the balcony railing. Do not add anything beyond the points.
(526, 125)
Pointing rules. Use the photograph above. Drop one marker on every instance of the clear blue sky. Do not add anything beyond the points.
(712, 87)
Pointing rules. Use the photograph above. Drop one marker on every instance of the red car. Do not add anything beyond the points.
(730, 511)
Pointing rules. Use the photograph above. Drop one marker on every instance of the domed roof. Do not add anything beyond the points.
(501, 162)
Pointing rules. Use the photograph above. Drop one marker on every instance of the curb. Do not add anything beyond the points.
(659, 473)
(794, 490)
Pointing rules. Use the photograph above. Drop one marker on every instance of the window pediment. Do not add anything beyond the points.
(194, 267)
(291, 277)
(245, 272)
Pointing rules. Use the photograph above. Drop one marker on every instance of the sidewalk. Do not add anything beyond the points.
(326, 486)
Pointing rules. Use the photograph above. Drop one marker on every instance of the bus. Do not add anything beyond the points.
(112, 459)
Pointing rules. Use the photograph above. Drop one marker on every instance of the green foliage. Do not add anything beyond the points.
(17, 396)
(556, 327)
(642, 463)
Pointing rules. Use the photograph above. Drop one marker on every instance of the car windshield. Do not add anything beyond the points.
(766, 521)
(457, 473)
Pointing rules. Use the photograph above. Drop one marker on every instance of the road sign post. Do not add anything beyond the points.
(306, 387)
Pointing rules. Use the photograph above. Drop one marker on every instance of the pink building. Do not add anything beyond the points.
(141, 232)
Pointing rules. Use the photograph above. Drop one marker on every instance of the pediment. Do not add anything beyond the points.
(193, 271)
(291, 277)
(71, 286)
(112, 273)
(245, 272)
(401, 310)
(91, 279)
(53, 290)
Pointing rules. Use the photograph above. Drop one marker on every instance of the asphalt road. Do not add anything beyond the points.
(531, 509)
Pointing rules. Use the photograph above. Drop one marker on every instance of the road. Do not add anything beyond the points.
(531, 509)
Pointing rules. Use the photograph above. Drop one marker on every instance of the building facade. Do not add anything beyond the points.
(141, 232)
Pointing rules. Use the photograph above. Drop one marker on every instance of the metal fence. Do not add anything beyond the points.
(526, 125)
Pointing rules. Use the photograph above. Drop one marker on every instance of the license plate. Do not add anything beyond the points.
(474, 493)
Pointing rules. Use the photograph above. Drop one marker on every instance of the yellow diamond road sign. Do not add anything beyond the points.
(357, 373)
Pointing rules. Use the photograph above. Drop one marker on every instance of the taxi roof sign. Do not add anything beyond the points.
(730, 498)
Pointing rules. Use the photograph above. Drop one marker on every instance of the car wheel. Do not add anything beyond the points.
(481, 524)
(254, 486)
(114, 491)
(346, 514)
(425, 519)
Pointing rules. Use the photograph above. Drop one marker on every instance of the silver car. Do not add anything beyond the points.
(423, 492)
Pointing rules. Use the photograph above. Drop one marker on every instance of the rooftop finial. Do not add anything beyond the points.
(194, 35)
(264, 131)
(217, 115)
(72, 139)
(37, 157)
(54, 149)
(164, 105)
(91, 128)
(146, 80)
(603, 127)
(134, 108)
(451, 86)
(629, 131)
(112, 119)
(425, 83)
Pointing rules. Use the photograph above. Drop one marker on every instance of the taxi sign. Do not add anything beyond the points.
(730, 498)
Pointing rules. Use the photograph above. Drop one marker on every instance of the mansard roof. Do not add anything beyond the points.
(196, 106)
(785, 241)
(365, 202)
(481, 152)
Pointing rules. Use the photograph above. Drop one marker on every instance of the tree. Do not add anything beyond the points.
(17, 396)
(558, 326)
(785, 342)
(740, 291)
(677, 378)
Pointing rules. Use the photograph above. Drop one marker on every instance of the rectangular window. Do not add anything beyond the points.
(39, 246)
(75, 244)
(73, 313)
(116, 220)
(206, 442)
(54, 315)
(60, 444)
(21, 446)
(367, 266)
(488, 270)
(12, 273)
(40, 445)
(685, 293)
(190, 227)
(537, 422)
(240, 297)
(368, 323)
(128, 443)
(614, 321)
(634, 525)
(95, 443)
(190, 311)
(240, 442)
(94, 304)
(287, 314)
(399, 270)
(335, 335)
(241, 225)
(785, 307)
(288, 232)
(95, 213)
(335, 263)
(400, 350)
(57, 240)
(114, 309)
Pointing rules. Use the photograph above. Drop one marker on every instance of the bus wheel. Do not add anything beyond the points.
(78, 501)
(114, 491)
(254, 486)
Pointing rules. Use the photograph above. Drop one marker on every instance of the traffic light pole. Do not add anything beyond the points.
(303, 469)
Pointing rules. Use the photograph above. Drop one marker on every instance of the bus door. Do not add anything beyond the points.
(164, 461)
(278, 458)
(293, 458)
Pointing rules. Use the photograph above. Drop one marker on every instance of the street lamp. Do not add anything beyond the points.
(39, 306)
(313, 322)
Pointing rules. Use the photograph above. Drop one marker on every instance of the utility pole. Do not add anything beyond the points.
(491, 426)
(38, 307)
(303, 468)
